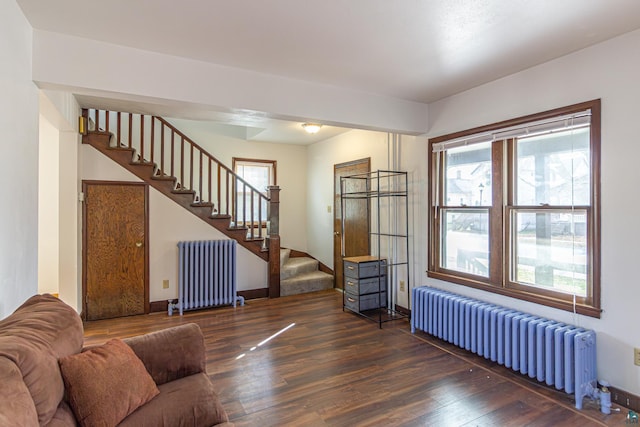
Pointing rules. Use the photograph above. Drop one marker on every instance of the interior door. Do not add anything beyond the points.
(356, 218)
(115, 242)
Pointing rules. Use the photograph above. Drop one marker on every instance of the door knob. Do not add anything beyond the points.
(139, 244)
(337, 233)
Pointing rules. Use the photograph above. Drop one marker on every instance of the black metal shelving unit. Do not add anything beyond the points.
(388, 207)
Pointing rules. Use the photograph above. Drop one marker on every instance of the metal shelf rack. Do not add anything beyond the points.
(388, 207)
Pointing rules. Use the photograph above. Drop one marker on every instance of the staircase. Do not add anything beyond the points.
(166, 159)
(300, 275)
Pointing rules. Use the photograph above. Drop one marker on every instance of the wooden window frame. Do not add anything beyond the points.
(274, 165)
(500, 238)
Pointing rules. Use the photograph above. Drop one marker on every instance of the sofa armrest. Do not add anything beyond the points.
(171, 353)
(16, 404)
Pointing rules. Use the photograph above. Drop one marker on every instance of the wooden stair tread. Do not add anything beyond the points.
(231, 228)
(220, 216)
(164, 178)
(120, 148)
(99, 133)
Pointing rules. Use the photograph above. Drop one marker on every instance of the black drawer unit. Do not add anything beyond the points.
(362, 267)
(365, 286)
(365, 283)
(360, 303)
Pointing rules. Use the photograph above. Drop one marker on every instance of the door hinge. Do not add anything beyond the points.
(81, 197)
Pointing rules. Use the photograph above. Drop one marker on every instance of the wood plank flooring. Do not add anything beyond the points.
(334, 368)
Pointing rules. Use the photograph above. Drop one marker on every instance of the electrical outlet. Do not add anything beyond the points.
(328, 208)
(401, 285)
(165, 284)
(636, 356)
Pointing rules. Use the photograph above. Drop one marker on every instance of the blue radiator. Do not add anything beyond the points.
(556, 353)
(206, 275)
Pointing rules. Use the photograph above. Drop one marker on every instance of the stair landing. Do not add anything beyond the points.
(301, 275)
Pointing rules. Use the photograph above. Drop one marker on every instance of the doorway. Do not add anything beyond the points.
(115, 259)
(356, 219)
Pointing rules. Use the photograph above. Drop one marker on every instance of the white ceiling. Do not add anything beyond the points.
(419, 50)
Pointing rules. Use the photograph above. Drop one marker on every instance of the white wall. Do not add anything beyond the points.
(412, 159)
(70, 226)
(48, 208)
(152, 76)
(62, 110)
(321, 158)
(169, 223)
(18, 162)
(60, 229)
(291, 173)
(608, 71)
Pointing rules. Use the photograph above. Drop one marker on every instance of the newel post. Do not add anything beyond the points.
(273, 216)
(83, 122)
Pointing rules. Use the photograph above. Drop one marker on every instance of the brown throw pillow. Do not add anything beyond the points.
(106, 383)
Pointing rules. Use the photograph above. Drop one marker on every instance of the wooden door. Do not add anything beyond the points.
(115, 245)
(356, 218)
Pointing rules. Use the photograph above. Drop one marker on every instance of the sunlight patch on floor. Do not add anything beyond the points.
(261, 343)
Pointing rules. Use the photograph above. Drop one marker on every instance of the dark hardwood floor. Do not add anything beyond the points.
(333, 368)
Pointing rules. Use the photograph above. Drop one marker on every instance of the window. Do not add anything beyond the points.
(259, 174)
(515, 208)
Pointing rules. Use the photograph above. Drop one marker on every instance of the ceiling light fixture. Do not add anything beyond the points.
(311, 127)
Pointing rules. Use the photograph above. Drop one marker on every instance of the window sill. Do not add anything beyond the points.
(560, 304)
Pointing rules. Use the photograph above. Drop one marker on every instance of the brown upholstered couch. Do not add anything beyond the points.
(44, 330)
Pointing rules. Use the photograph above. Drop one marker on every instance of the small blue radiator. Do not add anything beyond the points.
(558, 354)
(206, 275)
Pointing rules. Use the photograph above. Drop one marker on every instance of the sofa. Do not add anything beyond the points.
(49, 379)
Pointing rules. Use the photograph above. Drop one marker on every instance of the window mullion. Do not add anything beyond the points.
(496, 227)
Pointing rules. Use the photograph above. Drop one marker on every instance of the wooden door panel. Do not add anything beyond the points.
(115, 250)
(356, 218)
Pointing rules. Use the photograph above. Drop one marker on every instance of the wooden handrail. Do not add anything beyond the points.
(223, 196)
